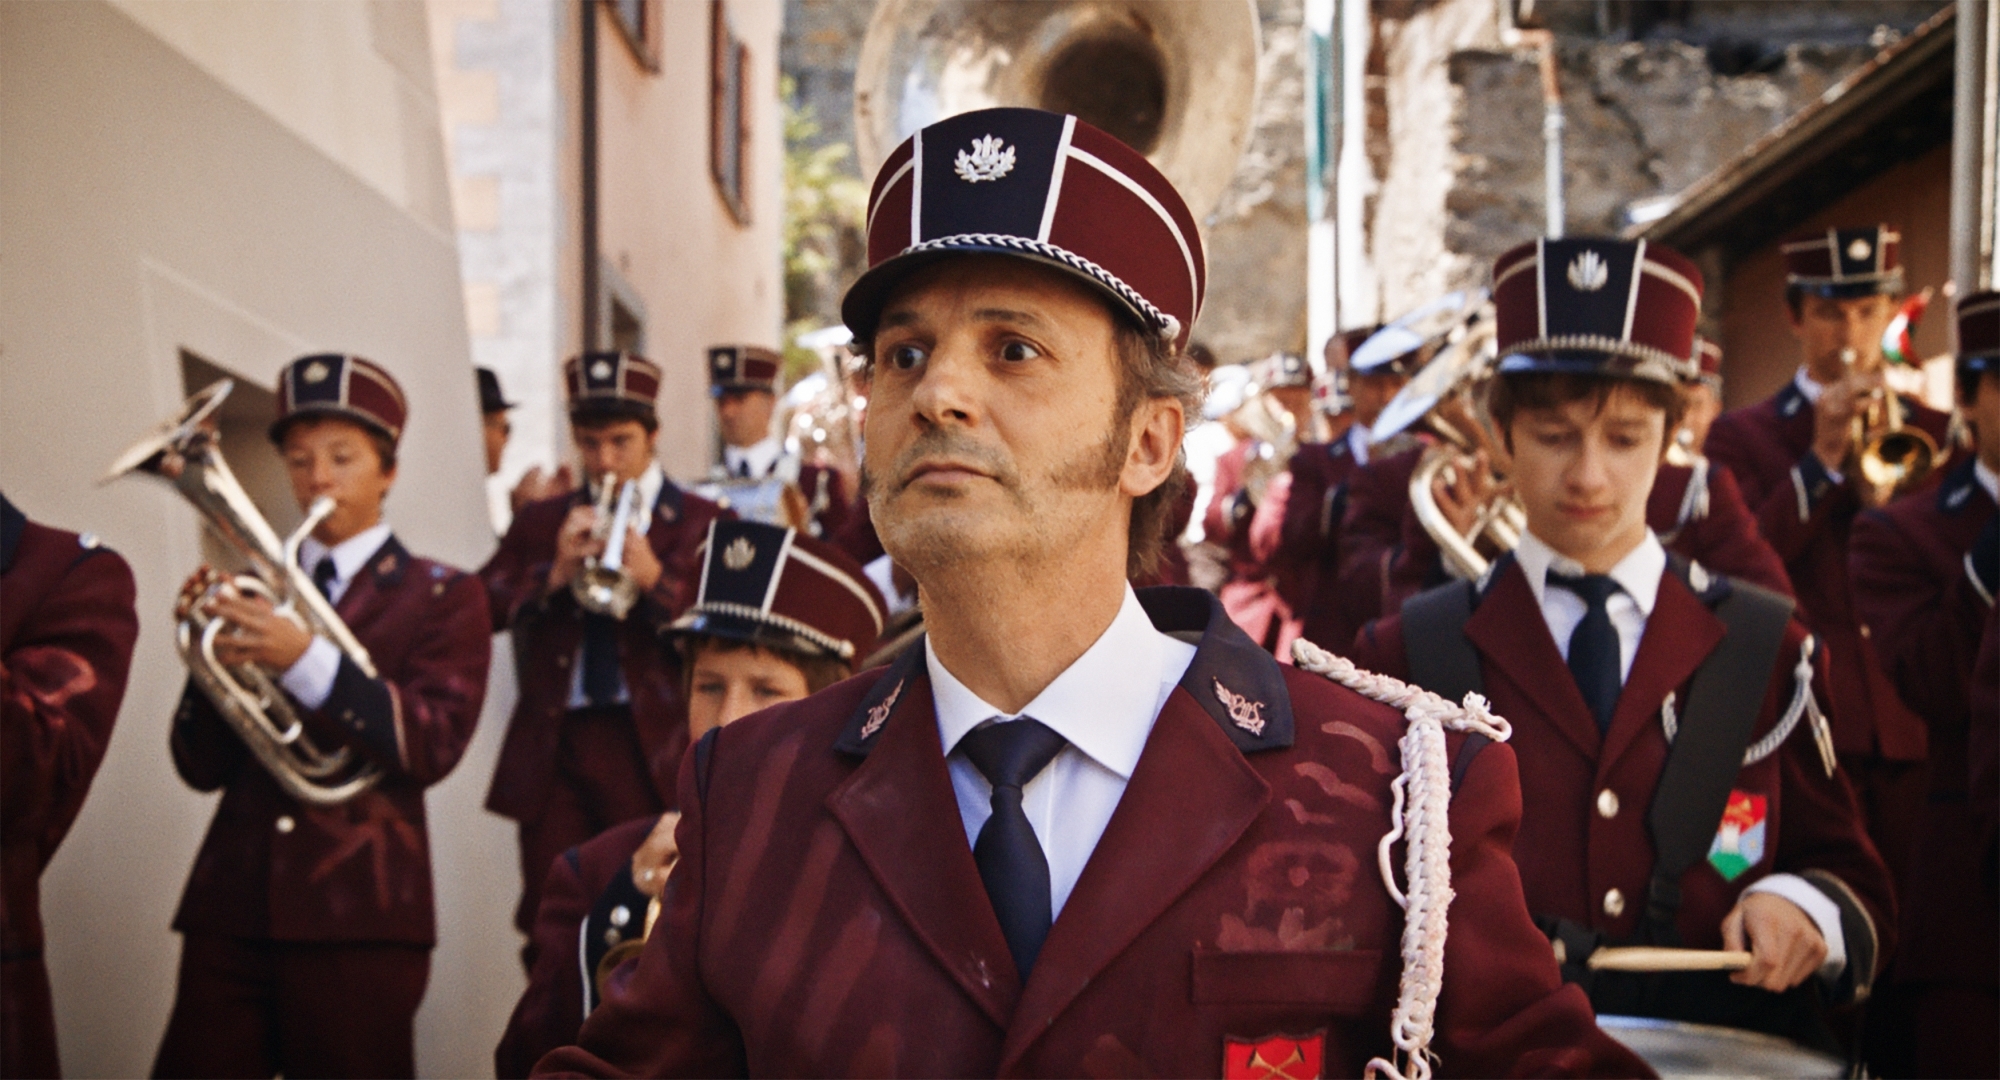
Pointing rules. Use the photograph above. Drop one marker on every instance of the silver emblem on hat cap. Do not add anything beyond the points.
(601, 370)
(987, 160)
(739, 554)
(1859, 249)
(1588, 273)
(315, 372)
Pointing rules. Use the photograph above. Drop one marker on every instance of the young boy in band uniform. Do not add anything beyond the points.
(307, 930)
(1679, 787)
(777, 616)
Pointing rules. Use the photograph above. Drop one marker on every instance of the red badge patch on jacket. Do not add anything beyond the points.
(1280, 1057)
(1739, 840)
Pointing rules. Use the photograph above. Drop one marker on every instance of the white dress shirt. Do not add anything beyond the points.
(1104, 704)
(1357, 442)
(650, 483)
(1812, 390)
(310, 678)
(760, 456)
(1638, 578)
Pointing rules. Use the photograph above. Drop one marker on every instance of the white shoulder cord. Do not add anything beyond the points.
(1420, 815)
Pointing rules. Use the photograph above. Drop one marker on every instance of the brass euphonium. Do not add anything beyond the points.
(1464, 361)
(603, 587)
(1891, 458)
(184, 451)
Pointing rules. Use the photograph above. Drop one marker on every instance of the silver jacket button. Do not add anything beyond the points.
(286, 824)
(1614, 903)
(1607, 804)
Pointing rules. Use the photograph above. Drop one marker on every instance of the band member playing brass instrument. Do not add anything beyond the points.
(760, 477)
(66, 632)
(601, 724)
(1679, 786)
(778, 615)
(307, 923)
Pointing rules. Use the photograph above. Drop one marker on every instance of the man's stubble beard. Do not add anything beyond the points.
(932, 543)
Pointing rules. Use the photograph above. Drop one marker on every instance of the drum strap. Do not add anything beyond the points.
(1724, 699)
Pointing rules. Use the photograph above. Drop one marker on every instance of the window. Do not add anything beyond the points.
(729, 115)
(244, 423)
(621, 313)
(635, 19)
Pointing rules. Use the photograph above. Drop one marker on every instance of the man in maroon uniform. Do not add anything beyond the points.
(1316, 504)
(1924, 571)
(600, 726)
(1679, 788)
(1053, 839)
(778, 616)
(1248, 477)
(66, 633)
(307, 927)
(758, 477)
(1794, 456)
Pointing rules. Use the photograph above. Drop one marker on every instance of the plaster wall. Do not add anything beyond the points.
(245, 182)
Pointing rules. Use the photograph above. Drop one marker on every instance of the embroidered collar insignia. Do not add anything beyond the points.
(1246, 714)
(879, 713)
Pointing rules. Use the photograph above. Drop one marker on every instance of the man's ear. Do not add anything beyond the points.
(1153, 446)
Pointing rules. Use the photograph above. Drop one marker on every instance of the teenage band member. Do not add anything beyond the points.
(307, 929)
(758, 478)
(1924, 571)
(1053, 839)
(1678, 786)
(778, 616)
(1795, 457)
(601, 724)
(66, 633)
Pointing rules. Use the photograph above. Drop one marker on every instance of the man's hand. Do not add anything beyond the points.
(1463, 490)
(256, 633)
(1833, 416)
(574, 543)
(1784, 943)
(640, 562)
(656, 857)
(536, 485)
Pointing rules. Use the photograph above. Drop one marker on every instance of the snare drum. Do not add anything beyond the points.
(1676, 1050)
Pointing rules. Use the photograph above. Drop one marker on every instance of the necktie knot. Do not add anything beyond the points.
(324, 575)
(1595, 589)
(1009, 755)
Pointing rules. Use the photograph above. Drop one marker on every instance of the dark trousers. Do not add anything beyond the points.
(601, 780)
(260, 1009)
(27, 1019)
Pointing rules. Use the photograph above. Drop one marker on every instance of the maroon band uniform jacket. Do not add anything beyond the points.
(67, 627)
(1309, 538)
(1916, 590)
(1585, 851)
(827, 918)
(272, 869)
(548, 629)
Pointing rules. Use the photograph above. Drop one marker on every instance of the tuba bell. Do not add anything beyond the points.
(184, 452)
(1462, 326)
(1175, 81)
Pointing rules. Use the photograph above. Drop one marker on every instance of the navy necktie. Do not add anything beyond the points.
(1593, 647)
(324, 575)
(1010, 858)
(600, 659)
(743, 468)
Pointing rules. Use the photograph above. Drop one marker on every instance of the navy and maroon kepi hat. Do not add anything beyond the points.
(614, 384)
(1979, 331)
(769, 585)
(742, 367)
(1594, 306)
(1845, 263)
(331, 384)
(1041, 186)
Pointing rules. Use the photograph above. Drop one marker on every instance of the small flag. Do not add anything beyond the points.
(1896, 346)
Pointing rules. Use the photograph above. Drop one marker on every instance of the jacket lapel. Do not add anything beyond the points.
(901, 815)
(375, 584)
(1508, 629)
(1190, 799)
(1679, 635)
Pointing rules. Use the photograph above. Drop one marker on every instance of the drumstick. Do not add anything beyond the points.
(1645, 958)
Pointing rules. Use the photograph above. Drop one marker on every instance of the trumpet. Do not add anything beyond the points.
(1890, 457)
(1462, 364)
(184, 452)
(603, 587)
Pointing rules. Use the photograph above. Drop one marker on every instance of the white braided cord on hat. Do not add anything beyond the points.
(1677, 368)
(842, 649)
(1420, 816)
(1169, 326)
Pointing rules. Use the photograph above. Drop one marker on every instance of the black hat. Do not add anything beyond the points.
(612, 384)
(1597, 306)
(770, 585)
(490, 398)
(1845, 263)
